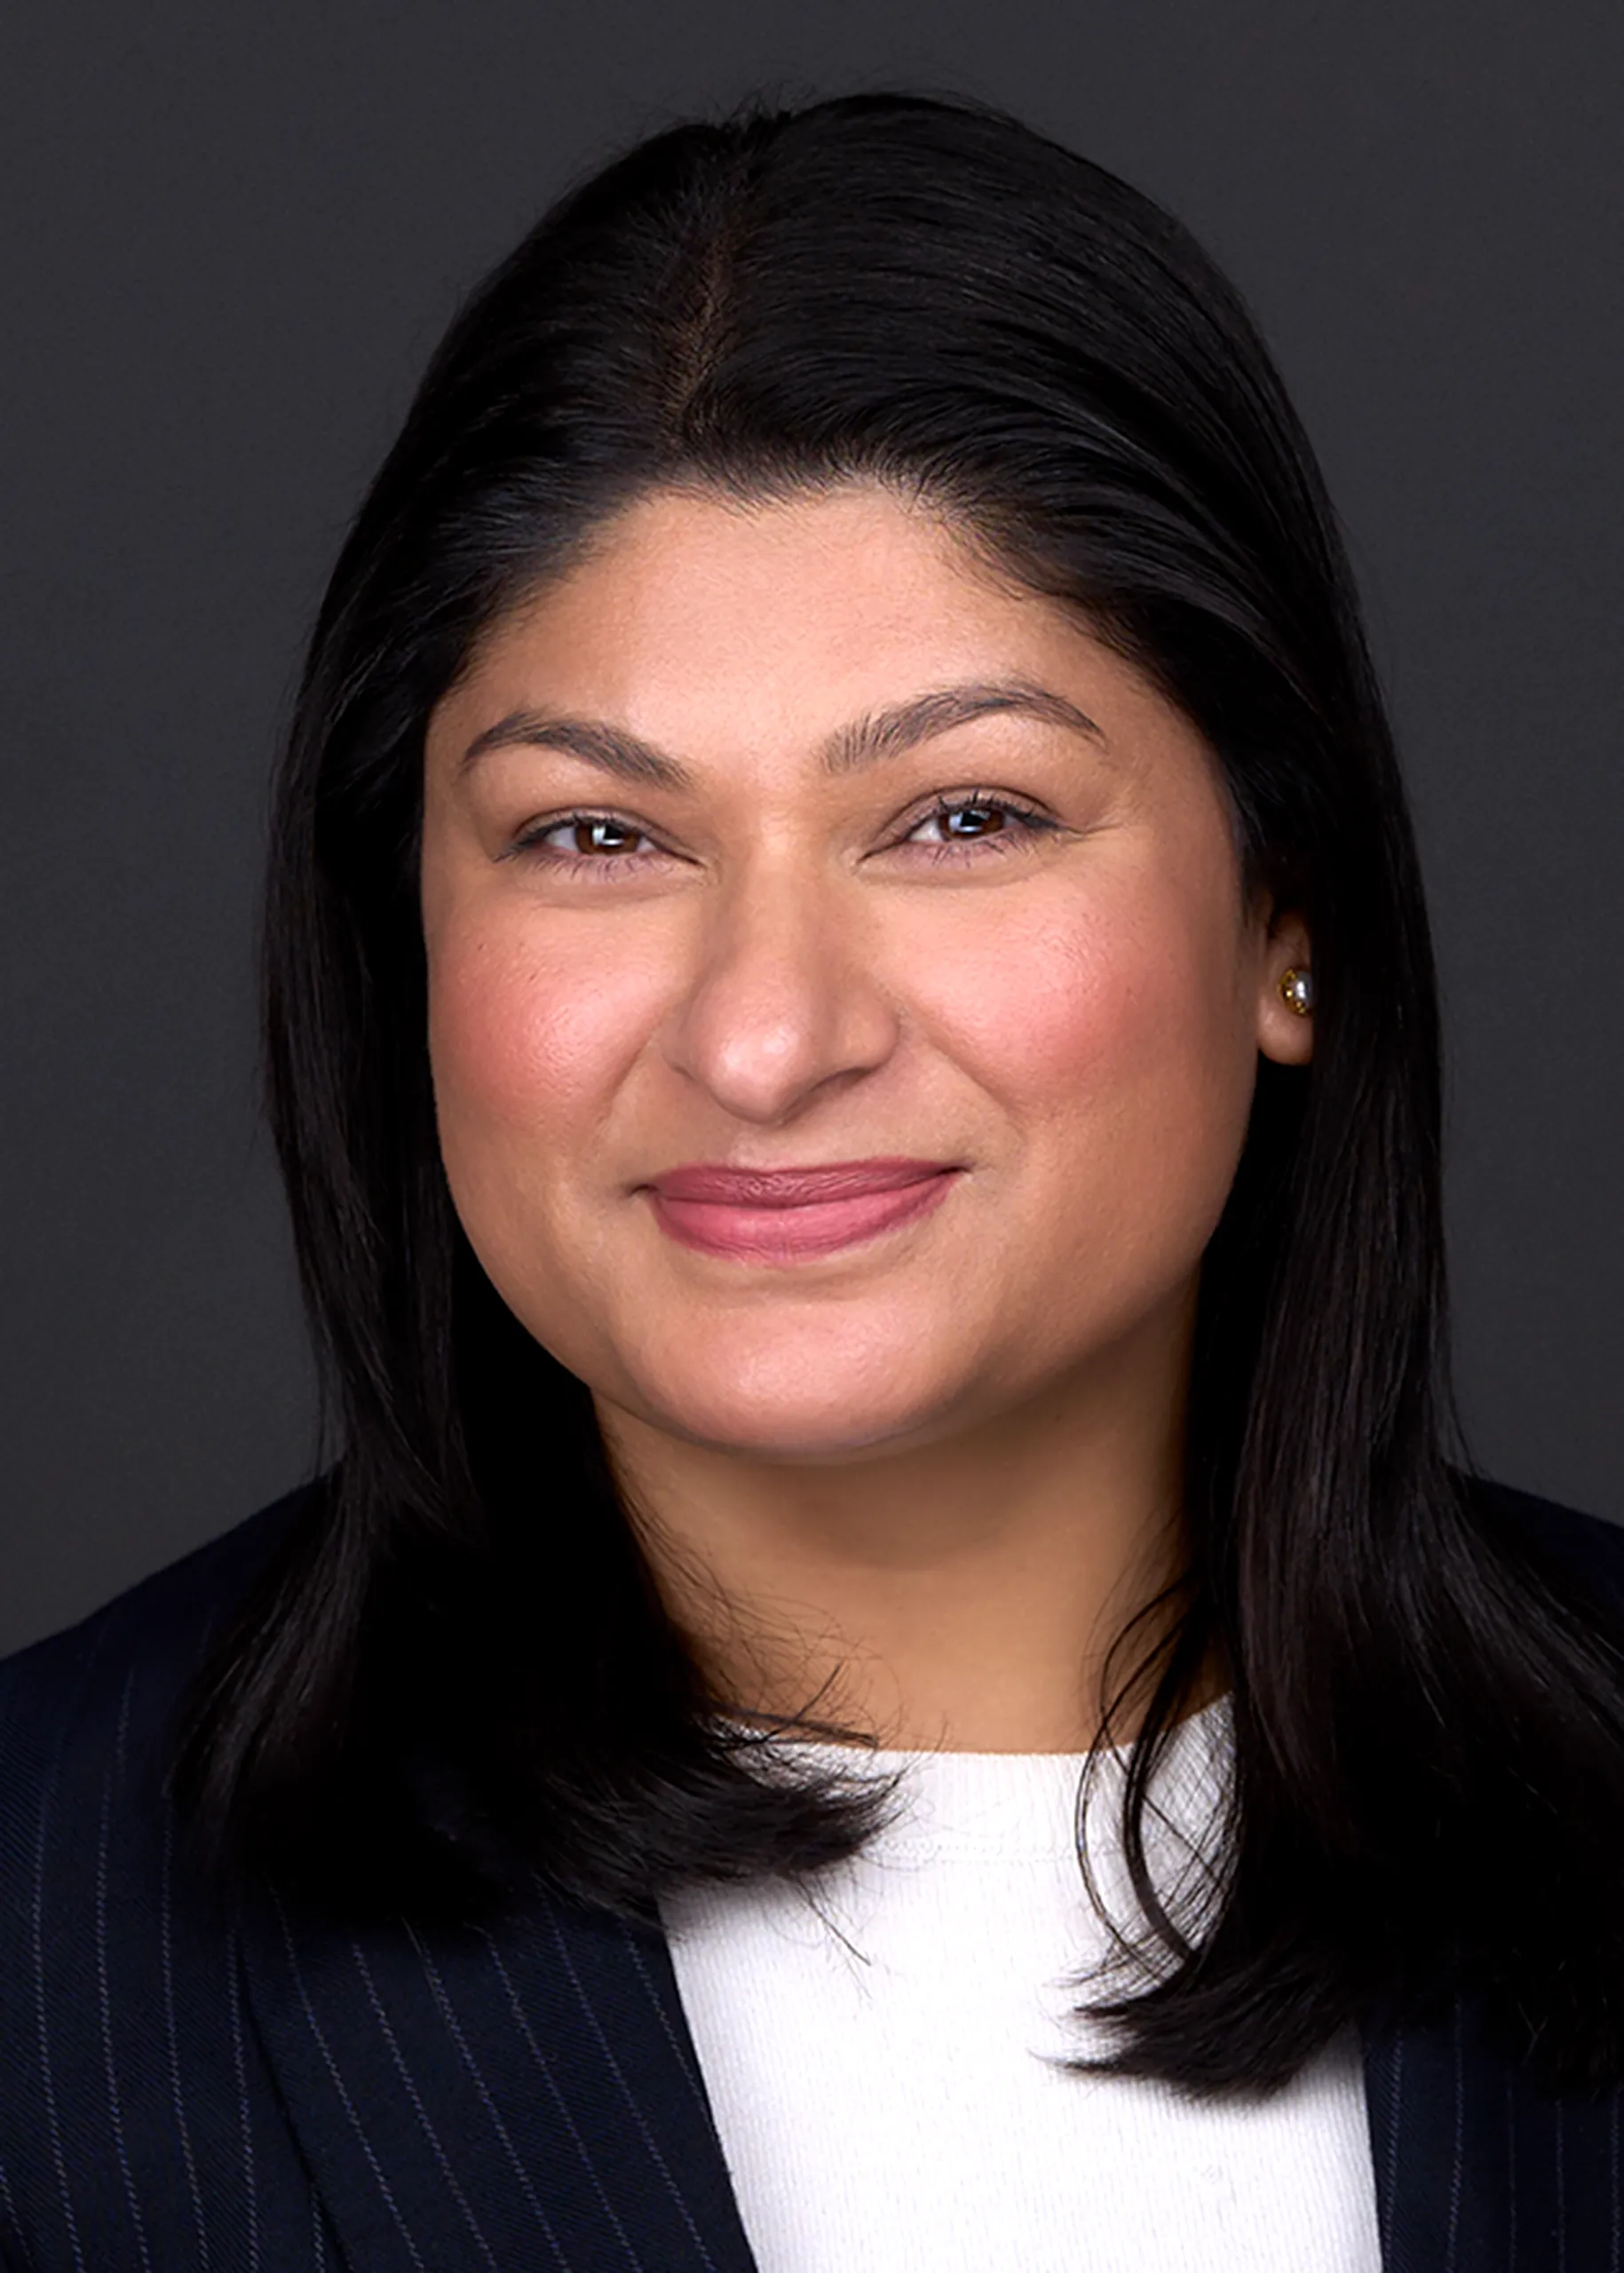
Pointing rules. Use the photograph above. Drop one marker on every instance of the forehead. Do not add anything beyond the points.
(707, 625)
(690, 556)
(685, 580)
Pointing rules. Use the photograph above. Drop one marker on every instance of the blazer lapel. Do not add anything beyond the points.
(530, 2097)
(496, 2101)
(1479, 2171)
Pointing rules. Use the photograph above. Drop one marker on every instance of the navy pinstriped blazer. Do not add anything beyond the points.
(184, 2091)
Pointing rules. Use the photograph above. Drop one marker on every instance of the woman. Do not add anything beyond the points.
(852, 1040)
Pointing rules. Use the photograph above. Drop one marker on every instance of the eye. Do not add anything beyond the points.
(583, 839)
(956, 823)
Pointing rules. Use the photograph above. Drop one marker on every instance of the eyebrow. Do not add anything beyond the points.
(864, 742)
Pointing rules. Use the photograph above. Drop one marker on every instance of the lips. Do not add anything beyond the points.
(789, 1214)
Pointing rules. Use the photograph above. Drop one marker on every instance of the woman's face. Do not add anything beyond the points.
(787, 838)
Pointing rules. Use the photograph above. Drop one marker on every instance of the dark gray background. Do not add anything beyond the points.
(229, 237)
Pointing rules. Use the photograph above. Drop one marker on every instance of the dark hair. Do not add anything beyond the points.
(459, 1669)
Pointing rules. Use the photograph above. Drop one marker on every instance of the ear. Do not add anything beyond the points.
(1284, 1035)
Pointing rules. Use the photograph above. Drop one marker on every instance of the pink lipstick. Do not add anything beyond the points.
(792, 1215)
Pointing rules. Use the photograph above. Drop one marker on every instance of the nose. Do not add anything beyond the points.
(784, 1004)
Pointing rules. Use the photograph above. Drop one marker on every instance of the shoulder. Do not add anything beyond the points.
(120, 1999)
(113, 1683)
(1589, 1549)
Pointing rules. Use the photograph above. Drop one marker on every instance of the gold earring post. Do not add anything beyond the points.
(1297, 991)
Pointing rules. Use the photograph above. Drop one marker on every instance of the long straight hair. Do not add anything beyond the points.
(458, 1672)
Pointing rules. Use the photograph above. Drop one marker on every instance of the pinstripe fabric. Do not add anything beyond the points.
(136, 2135)
(495, 2102)
(1477, 2172)
(186, 2092)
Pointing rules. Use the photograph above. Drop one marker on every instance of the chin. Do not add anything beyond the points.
(804, 1412)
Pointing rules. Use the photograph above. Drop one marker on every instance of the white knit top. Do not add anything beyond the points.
(881, 2054)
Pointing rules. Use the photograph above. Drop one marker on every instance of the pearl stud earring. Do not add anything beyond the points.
(1297, 991)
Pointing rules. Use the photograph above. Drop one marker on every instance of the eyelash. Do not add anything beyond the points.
(1030, 822)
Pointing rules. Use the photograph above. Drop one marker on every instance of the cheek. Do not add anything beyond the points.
(1055, 1016)
(1065, 1003)
(1118, 1037)
(529, 1042)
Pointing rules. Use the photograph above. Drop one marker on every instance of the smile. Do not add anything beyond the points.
(794, 1215)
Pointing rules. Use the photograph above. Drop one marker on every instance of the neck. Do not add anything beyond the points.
(958, 1594)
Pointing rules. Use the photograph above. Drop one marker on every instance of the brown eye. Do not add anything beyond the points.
(595, 835)
(588, 839)
(972, 821)
(970, 818)
(958, 822)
